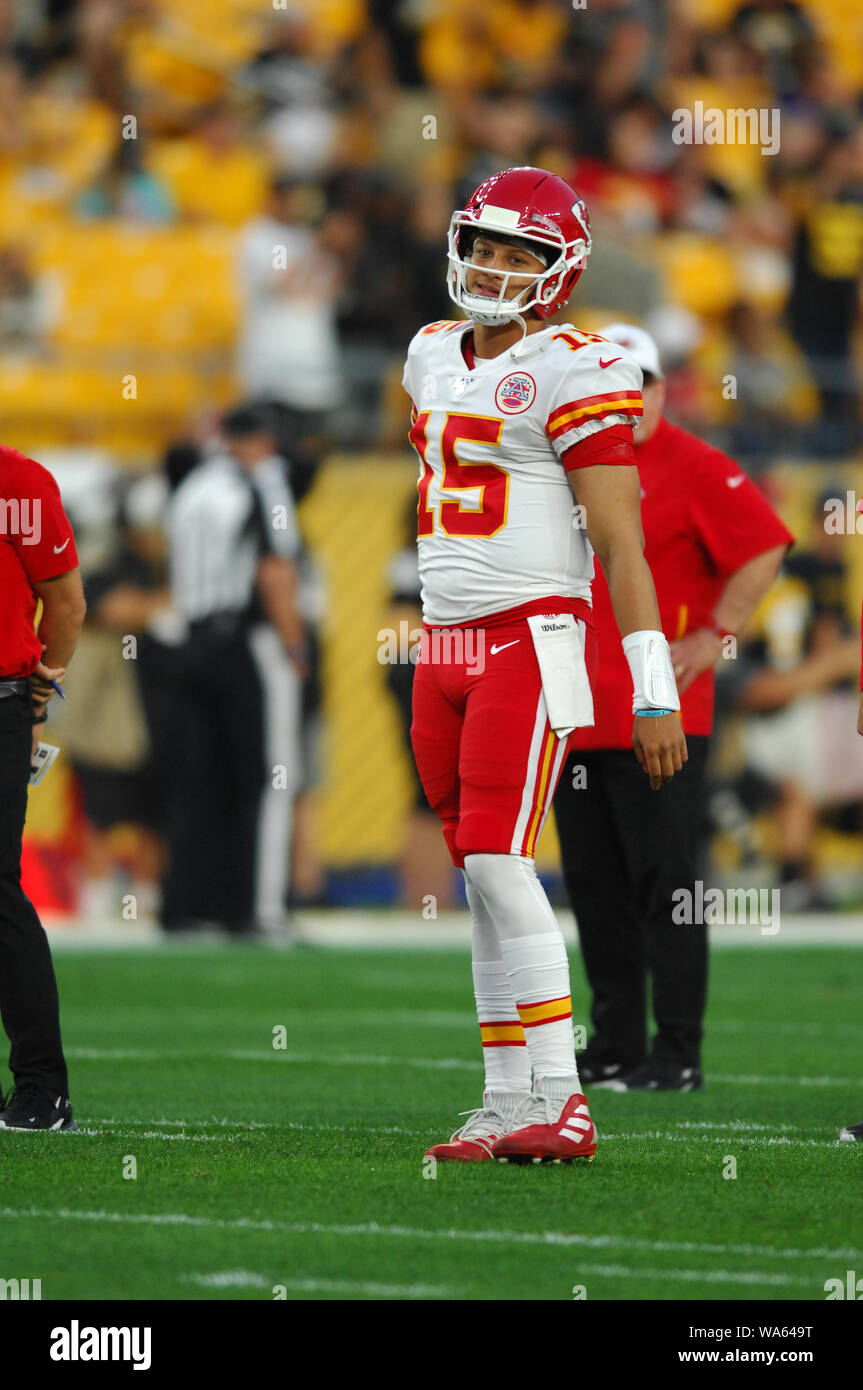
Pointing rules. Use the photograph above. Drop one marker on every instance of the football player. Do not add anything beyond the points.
(524, 435)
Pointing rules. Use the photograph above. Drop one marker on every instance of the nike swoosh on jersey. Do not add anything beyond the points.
(494, 650)
(610, 361)
(58, 548)
(736, 480)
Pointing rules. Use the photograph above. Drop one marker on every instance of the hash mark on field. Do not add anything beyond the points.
(159, 1134)
(700, 1276)
(357, 1059)
(240, 1279)
(709, 1139)
(371, 1228)
(137, 1129)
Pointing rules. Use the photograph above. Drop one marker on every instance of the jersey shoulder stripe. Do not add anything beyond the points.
(573, 413)
(428, 339)
(576, 340)
(441, 326)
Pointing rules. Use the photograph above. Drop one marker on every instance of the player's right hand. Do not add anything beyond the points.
(660, 747)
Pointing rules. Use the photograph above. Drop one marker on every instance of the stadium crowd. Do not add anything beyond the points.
(154, 152)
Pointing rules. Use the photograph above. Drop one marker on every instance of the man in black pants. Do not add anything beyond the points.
(714, 546)
(37, 561)
(234, 544)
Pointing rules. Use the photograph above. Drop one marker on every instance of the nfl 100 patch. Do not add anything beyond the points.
(515, 393)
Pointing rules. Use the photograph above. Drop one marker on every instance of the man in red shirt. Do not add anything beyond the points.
(714, 547)
(38, 560)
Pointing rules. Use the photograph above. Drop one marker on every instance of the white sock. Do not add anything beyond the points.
(504, 1049)
(504, 1046)
(538, 973)
(534, 953)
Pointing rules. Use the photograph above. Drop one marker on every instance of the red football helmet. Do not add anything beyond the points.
(525, 205)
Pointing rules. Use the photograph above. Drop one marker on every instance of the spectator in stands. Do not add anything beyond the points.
(27, 303)
(290, 281)
(300, 123)
(376, 316)
(215, 174)
(824, 304)
(798, 686)
(768, 383)
(127, 190)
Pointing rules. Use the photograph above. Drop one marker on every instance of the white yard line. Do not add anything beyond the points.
(362, 1059)
(374, 1231)
(121, 1131)
(388, 928)
(243, 1279)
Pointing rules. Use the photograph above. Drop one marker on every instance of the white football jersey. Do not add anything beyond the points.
(497, 525)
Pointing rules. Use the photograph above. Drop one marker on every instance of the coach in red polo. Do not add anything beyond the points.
(714, 547)
(37, 561)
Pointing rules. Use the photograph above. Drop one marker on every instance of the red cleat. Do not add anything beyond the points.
(550, 1133)
(472, 1143)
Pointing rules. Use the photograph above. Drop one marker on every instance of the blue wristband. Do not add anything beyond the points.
(652, 713)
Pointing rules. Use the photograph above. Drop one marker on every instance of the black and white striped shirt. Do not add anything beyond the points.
(222, 520)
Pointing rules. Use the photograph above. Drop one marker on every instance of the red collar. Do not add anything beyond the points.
(467, 349)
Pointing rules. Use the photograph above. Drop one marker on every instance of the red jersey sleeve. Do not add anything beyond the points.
(735, 522)
(43, 538)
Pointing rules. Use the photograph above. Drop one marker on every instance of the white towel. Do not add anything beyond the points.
(558, 640)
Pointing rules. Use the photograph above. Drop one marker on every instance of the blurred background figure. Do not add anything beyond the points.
(424, 866)
(27, 303)
(127, 189)
(824, 304)
(799, 688)
(233, 544)
(290, 281)
(115, 729)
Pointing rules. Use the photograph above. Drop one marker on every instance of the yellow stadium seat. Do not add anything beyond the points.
(699, 274)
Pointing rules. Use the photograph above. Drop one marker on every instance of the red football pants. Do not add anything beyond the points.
(486, 754)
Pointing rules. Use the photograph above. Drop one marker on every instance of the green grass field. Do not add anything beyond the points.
(303, 1167)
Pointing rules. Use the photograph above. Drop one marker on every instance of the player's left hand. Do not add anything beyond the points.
(660, 747)
(40, 683)
(694, 653)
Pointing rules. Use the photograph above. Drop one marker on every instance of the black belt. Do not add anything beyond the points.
(14, 687)
(220, 625)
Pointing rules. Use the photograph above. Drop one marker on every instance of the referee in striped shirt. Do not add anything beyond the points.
(233, 543)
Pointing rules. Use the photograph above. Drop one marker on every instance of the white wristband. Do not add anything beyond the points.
(653, 683)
